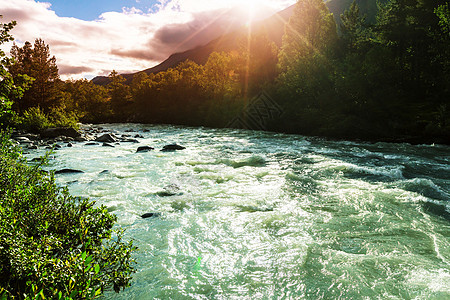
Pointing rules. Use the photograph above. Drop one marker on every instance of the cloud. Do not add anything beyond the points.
(73, 70)
(138, 54)
(128, 41)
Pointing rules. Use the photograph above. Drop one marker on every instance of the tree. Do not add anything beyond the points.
(259, 58)
(353, 27)
(443, 12)
(36, 62)
(87, 100)
(220, 76)
(9, 88)
(311, 29)
(119, 94)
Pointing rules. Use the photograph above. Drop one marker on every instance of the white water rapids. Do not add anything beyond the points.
(261, 215)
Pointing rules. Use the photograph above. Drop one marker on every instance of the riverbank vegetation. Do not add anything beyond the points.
(383, 77)
(52, 245)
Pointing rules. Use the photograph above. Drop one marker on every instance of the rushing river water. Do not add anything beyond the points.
(271, 216)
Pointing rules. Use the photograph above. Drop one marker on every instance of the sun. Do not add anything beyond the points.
(251, 7)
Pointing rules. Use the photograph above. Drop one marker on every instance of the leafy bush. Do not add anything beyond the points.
(60, 118)
(34, 120)
(53, 245)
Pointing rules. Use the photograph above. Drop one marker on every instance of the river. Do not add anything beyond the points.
(259, 215)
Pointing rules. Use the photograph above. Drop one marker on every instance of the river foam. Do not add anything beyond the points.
(255, 215)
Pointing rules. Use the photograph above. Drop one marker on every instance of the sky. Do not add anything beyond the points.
(94, 37)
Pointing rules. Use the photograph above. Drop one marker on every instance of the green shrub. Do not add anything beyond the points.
(33, 120)
(60, 118)
(52, 245)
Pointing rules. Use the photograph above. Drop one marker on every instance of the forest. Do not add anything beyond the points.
(347, 77)
(383, 77)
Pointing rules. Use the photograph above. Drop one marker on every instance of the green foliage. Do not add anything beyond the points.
(258, 59)
(386, 80)
(443, 12)
(384, 77)
(35, 120)
(53, 245)
(89, 102)
(119, 95)
(36, 62)
(60, 117)
(310, 30)
(9, 88)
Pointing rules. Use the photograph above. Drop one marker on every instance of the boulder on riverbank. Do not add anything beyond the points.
(56, 132)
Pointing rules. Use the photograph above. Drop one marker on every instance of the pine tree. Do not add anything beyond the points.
(310, 30)
(36, 62)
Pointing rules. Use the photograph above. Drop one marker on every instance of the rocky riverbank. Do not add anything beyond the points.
(89, 135)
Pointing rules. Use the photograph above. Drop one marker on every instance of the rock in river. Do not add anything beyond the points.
(55, 132)
(68, 171)
(170, 190)
(145, 149)
(150, 215)
(171, 148)
(107, 138)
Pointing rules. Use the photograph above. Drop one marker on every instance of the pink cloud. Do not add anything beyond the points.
(128, 41)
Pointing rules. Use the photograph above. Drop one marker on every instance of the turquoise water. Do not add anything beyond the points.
(271, 216)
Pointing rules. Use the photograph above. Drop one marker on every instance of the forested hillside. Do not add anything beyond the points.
(381, 76)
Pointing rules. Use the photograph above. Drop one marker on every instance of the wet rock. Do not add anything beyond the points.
(128, 140)
(53, 147)
(107, 138)
(22, 139)
(150, 215)
(108, 145)
(69, 145)
(80, 139)
(144, 149)
(91, 144)
(29, 136)
(171, 148)
(104, 172)
(25, 142)
(68, 171)
(33, 147)
(170, 190)
(145, 130)
(55, 132)
(138, 136)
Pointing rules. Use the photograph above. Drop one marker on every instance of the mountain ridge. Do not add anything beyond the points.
(273, 26)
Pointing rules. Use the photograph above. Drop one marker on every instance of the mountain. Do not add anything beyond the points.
(272, 26)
